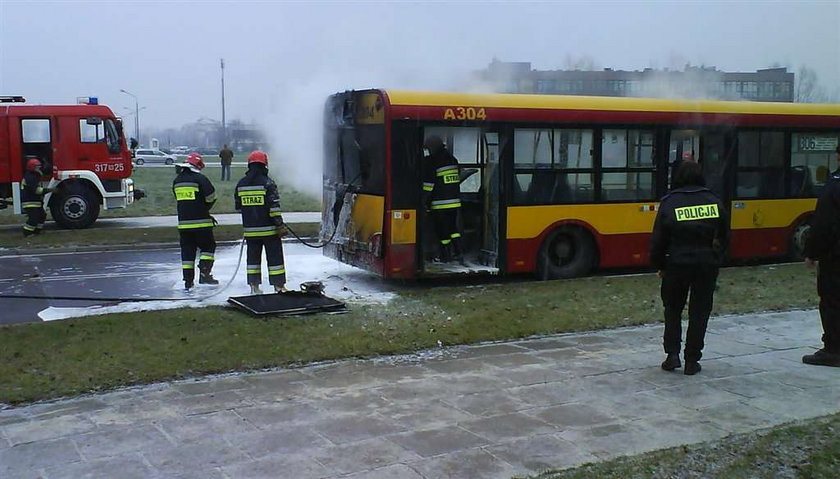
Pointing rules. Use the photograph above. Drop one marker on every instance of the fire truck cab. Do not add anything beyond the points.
(84, 152)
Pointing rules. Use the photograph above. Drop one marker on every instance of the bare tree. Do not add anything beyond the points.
(808, 89)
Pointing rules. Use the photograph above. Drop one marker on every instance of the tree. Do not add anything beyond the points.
(808, 89)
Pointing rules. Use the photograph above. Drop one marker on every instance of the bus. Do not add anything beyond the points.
(559, 186)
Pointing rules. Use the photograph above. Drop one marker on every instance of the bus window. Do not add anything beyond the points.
(811, 156)
(684, 146)
(627, 160)
(463, 143)
(761, 158)
(552, 166)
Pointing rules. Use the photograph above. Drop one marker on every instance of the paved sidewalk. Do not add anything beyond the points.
(154, 221)
(486, 411)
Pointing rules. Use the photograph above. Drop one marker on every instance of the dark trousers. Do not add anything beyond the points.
(225, 172)
(274, 255)
(193, 240)
(828, 287)
(35, 218)
(678, 280)
(448, 231)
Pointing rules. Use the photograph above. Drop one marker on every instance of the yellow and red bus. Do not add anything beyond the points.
(561, 185)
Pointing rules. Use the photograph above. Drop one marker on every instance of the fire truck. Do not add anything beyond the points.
(83, 149)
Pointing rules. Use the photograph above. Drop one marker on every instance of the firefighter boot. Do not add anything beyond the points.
(204, 277)
(255, 289)
(280, 288)
(188, 285)
(445, 253)
(458, 254)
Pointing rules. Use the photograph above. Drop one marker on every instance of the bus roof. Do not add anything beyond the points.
(598, 103)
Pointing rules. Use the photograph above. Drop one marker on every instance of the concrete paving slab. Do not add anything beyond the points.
(488, 411)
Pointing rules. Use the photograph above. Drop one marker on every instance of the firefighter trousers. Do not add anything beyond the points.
(193, 240)
(828, 287)
(35, 218)
(677, 281)
(448, 232)
(274, 255)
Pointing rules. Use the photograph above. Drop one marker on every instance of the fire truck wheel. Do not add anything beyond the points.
(75, 206)
(567, 252)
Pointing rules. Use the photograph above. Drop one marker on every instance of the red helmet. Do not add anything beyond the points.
(33, 164)
(196, 160)
(258, 157)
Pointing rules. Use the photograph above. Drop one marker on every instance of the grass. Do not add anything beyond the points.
(157, 182)
(12, 238)
(48, 360)
(810, 449)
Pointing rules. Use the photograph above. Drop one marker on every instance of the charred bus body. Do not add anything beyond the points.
(558, 185)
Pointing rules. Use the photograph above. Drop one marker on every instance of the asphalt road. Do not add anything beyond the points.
(111, 274)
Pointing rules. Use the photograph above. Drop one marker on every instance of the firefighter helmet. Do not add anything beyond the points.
(258, 157)
(33, 164)
(195, 160)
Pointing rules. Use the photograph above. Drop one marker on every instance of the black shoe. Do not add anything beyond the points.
(671, 362)
(691, 368)
(822, 358)
(207, 279)
(188, 285)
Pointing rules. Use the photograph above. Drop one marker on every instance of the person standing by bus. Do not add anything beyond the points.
(690, 235)
(823, 246)
(195, 196)
(226, 156)
(32, 198)
(442, 185)
(256, 198)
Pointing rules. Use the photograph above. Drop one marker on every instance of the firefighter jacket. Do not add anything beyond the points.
(692, 227)
(32, 193)
(257, 199)
(442, 180)
(823, 240)
(195, 196)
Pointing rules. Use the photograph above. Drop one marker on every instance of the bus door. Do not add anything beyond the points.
(477, 152)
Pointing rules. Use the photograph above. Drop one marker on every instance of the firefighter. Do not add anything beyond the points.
(32, 197)
(823, 246)
(441, 183)
(257, 199)
(690, 236)
(195, 196)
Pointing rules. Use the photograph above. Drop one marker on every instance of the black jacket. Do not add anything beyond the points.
(442, 180)
(692, 227)
(823, 241)
(195, 196)
(32, 193)
(257, 199)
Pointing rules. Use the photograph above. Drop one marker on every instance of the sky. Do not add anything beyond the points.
(283, 59)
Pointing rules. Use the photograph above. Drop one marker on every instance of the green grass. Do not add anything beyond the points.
(157, 182)
(12, 238)
(810, 449)
(47, 360)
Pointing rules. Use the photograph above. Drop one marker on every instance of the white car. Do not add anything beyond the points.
(143, 156)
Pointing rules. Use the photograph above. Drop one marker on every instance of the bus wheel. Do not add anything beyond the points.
(796, 245)
(74, 206)
(567, 252)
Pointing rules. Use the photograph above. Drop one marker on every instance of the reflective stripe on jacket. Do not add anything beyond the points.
(256, 198)
(194, 195)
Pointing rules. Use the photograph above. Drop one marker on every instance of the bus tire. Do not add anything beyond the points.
(74, 206)
(796, 244)
(566, 252)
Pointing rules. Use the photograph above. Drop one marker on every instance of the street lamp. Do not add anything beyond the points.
(136, 115)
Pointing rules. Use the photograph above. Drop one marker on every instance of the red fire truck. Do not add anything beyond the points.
(86, 159)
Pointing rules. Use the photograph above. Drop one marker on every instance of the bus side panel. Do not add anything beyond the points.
(622, 250)
(763, 228)
(759, 243)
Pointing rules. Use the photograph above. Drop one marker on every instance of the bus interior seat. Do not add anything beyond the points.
(821, 174)
(800, 181)
(548, 187)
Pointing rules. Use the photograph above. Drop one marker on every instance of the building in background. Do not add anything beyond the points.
(771, 84)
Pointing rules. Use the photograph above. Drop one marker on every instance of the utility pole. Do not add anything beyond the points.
(224, 127)
(136, 115)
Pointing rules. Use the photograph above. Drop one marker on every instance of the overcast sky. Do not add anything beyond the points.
(167, 53)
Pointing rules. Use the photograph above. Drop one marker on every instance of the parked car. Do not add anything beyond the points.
(182, 150)
(143, 156)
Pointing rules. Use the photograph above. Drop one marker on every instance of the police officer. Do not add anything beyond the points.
(257, 199)
(195, 196)
(823, 246)
(690, 236)
(441, 183)
(32, 197)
